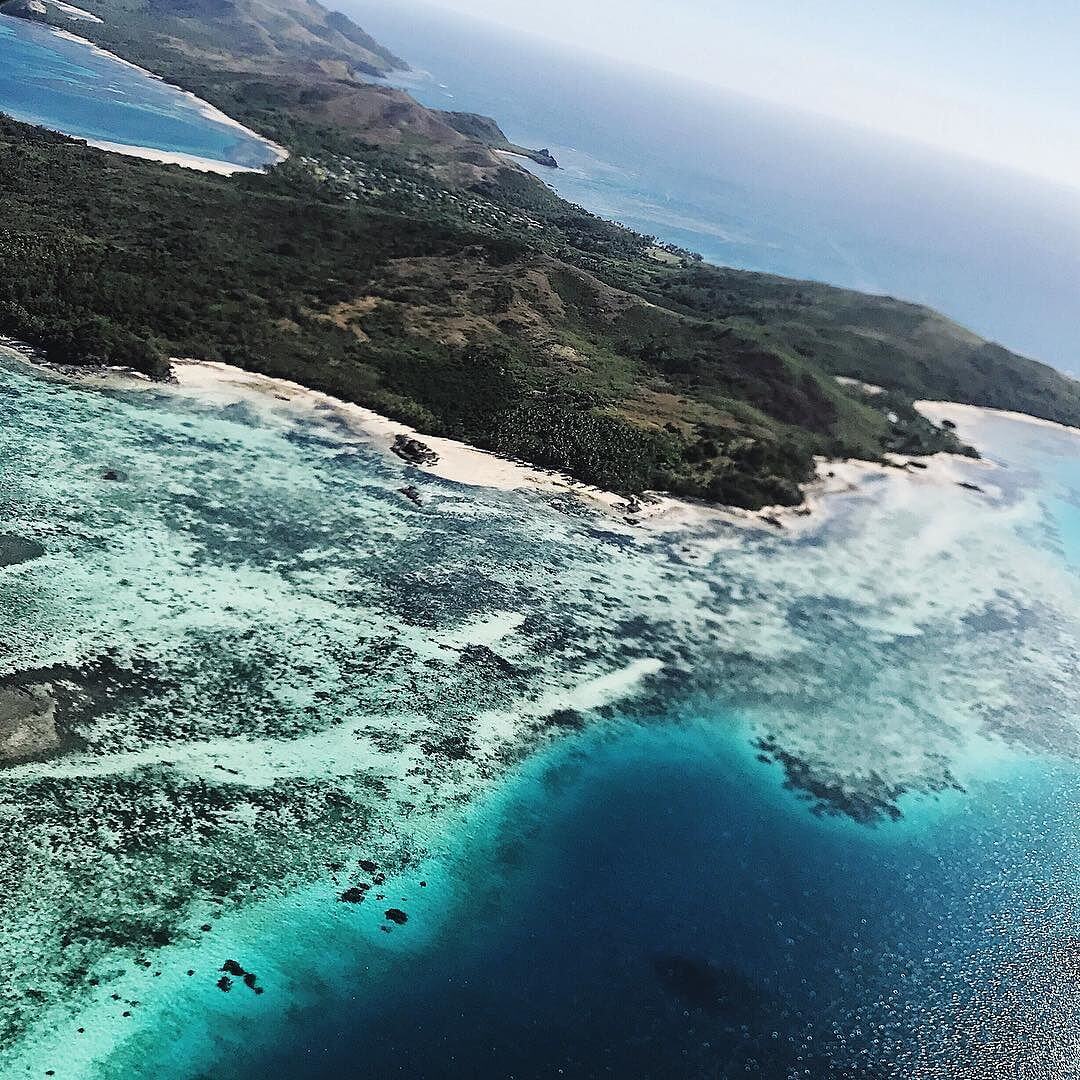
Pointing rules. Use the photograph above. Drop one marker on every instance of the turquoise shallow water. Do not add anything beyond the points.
(705, 803)
(62, 84)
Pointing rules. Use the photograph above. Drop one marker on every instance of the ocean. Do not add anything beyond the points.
(754, 186)
(63, 84)
(337, 781)
(499, 786)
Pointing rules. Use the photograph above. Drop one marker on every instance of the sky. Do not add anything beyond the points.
(992, 79)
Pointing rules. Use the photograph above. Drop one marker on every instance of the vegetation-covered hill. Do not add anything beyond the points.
(247, 35)
(395, 261)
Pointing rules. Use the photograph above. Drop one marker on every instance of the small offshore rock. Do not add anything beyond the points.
(414, 451)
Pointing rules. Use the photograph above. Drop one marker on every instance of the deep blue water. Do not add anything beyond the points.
(757, 187)
(64, 85)
(658, 905)
(642, 895)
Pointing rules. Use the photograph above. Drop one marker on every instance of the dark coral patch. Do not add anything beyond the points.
(18, 549)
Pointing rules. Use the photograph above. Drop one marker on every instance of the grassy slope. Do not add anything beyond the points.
(394, 262)
(896, 344)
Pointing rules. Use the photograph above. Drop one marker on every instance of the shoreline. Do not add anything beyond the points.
(461, 463)
(167, 157)
(215, 382)
(172, 158)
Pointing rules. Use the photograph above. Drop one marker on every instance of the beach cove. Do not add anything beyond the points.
(522, 724)
(58, 80)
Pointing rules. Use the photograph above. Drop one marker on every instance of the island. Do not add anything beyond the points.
(400, 259)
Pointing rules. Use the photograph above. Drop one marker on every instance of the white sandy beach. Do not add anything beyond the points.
(968, 416)
(464, 464)
(74, 13)
(167, 157)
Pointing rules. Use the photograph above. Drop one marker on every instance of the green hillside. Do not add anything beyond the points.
(396, 262)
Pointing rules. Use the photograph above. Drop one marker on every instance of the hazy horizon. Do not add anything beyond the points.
(984, 81)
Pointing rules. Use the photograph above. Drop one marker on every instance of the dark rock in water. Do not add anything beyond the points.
(110, 474)
(485, 657)
(354, 895)
(413, 451)
(18, 549)
(569, 719)
(451, 747)
(412, 494)
(233, 968)
(969, 487)
(368, 866)
(396, 915)
(224, 984)
(27, 722)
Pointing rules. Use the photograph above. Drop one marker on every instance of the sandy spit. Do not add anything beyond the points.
(965, 416)
(210, 112)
